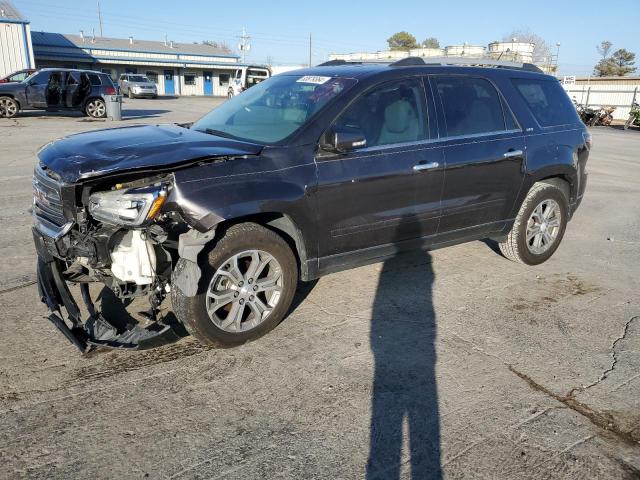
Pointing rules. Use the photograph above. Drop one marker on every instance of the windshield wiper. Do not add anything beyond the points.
(218, 133)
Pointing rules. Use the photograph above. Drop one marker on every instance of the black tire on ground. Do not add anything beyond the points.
(192, 311)
(230, 94)
(515, 246)
(8, 107)
(130, 93)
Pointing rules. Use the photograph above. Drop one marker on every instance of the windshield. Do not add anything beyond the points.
(274, 109)
(138, 78)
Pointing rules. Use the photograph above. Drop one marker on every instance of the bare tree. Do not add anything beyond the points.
(542, 50)
(604, 48)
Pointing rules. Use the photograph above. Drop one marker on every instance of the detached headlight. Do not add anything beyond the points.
(131, 207)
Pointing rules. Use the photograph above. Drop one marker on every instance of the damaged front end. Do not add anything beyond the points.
(119, 234)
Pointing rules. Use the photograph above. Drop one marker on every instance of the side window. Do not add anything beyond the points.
(547, 101)
(40, 79)
(471, 105)
(388, 114)
(94, 79)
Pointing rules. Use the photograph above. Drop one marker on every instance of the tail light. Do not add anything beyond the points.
(587, 139)
(110, 91)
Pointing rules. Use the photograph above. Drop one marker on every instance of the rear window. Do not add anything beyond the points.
(471, 105)
(547, 101)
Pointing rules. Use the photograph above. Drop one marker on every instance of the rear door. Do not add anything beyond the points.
(373, 196)
(484, 153)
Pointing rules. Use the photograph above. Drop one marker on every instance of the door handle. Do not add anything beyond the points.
(513, 153)
(425, 166)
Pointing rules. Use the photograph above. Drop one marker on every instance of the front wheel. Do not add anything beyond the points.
(96, 108)
(539, 226)
(230, 94)
(247, 285)
(8, 107)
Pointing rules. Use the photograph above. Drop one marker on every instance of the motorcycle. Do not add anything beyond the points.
(634, 116)
(593, 117)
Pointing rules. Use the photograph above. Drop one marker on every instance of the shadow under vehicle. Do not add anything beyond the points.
(54, 90)
(304, 174)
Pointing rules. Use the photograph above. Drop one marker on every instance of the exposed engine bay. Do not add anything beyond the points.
(116, 233)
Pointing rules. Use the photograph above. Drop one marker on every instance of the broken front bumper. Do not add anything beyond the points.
(95, 331)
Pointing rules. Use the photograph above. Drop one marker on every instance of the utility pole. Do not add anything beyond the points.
(100, 19)
(244, 45)
(309, 50)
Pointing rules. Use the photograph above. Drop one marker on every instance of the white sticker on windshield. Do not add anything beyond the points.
(313, 79)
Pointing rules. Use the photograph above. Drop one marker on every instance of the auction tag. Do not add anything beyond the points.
(313, 79)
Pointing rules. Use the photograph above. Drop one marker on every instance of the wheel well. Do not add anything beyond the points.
(561, 182)
(11, 97)
(283, 225)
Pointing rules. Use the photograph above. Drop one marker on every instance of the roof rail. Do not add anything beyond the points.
(466, 61)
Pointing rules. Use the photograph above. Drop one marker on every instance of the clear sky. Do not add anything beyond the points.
(280, 29)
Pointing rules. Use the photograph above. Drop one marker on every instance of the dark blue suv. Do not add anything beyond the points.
(309, 172)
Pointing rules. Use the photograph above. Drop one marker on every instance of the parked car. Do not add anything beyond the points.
(246, 77)
(18, 76)
(135, 85)
(307, 173)
(55, 90)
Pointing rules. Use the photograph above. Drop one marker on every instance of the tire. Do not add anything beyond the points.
(230, 94)
(96, 108)
(516, 247)
(130, 94)
(236, 242)
(9, 108)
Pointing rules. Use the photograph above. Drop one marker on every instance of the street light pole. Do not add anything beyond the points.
(557, 55)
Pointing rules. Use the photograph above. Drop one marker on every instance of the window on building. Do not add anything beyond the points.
(471, 105)
(108, 71)
(152, 76)
(547, 100)
(223, 78)
(392, 113)
(131, 70)
(189, 78)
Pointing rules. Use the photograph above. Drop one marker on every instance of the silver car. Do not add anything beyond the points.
(135, 85)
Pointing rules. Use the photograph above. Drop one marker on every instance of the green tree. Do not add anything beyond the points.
(431, 42)
(621, 63)
(402, 41)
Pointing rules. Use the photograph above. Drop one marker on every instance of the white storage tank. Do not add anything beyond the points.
(426, 52)
(464, 50)
(513, 51)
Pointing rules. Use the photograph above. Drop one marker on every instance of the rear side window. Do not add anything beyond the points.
(471, 105)
(547, 101)
(95, 79)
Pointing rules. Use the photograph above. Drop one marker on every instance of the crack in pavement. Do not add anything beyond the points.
(601, 420)
(614, 361)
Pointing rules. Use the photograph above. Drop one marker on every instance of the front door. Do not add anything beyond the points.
(373, 199)
(36, 91)
(484, 155)
(169, 88)
(208, 83)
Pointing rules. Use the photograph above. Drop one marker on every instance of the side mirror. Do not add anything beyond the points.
(344, 140)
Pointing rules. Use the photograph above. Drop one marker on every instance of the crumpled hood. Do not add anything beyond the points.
(102, 152)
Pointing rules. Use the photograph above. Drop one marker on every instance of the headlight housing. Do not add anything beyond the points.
(132, 207)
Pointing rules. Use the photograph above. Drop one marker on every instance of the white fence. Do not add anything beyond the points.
(619, 96)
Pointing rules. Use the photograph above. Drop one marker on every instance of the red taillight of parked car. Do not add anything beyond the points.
(110, 91)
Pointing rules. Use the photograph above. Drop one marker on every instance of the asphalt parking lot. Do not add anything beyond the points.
(456, 360)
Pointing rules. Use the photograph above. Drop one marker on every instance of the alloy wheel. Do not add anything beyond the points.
(96, 108)
(543, 226)
(244, 291)
(8, 108)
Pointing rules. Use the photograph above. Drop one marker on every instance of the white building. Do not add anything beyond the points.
(177, 68)
(512, 51)
(15, 41)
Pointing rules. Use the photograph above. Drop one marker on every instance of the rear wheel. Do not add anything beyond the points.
(539, 226)
(248, 281)
(8, 107)
(96, 108)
